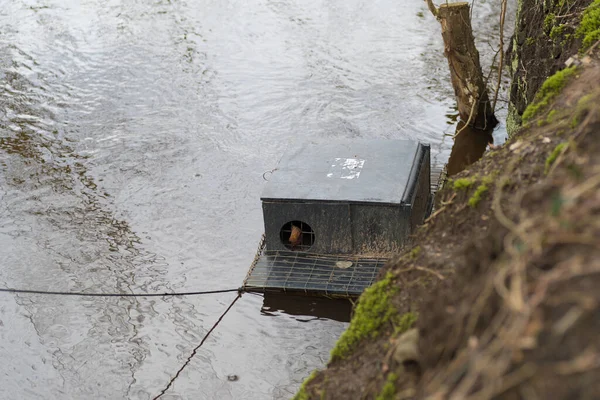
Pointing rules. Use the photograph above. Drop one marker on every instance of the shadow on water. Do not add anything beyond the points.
(307, 307)
(469, 146)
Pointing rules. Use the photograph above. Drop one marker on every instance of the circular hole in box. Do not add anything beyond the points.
(297, 236)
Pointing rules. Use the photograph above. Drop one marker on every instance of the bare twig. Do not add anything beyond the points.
(437, 274)
(501, 64)
(475, 101)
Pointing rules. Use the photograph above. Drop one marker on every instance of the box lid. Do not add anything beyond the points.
(365, 170)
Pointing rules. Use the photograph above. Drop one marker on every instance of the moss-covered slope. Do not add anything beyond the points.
(547, 33)
(503, 276)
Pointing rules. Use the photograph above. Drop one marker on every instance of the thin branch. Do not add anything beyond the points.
(501, 66)
(475, 101)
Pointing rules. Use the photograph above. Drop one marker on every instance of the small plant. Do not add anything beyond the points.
(554, 155)
(589, 29)
(463, 183)
(479, 192)
(557, 203)
(557, 31)
(583, 106)
(372, 312)
(549, 22)
(302, 395)
(389, 389)
(549, 90)
(414, 253)
(404, 323)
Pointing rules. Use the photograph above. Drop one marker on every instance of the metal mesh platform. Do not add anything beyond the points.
(438, 175)
(291, 271)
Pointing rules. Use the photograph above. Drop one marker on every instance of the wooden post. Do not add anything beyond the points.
(465, 71)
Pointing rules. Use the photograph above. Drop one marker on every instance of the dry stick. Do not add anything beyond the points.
(496, 205)
(509, 381)
(418, 268)
(567, 15)
(579, 190)
(593, 47)
(425, 269)
(501, 66)
(582, 363)
(475, 101)
(459, 366)
(497, 363)
(478, 307)
(494, 354)
(489, 75)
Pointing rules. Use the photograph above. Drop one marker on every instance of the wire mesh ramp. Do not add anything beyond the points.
(325, 275)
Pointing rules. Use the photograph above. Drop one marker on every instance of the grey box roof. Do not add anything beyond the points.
(349, 170)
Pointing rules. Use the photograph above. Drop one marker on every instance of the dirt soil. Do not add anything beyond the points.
(504, 276)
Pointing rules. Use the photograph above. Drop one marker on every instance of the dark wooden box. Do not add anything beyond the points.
(347, 197)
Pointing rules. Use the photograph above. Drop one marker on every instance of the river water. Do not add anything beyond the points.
(133, 140)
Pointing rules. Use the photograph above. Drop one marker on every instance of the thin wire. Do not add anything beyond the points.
(27, 291)
(189, 359)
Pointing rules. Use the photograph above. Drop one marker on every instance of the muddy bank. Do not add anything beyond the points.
(498, 296)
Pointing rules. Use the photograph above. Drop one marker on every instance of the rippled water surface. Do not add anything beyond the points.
(133, 140)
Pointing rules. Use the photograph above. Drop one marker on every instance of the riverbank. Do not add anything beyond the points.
(501, 283)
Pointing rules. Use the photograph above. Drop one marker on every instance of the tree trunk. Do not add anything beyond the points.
(465, 71)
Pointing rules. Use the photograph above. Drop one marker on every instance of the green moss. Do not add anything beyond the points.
(414, 253)
(585, 101)
(302, 394)
(583, 107)
(529, 41)
(404, 323)
(476, 197)
(549, 22)
(574, 122)
(463, 183)
(551, 116)
(554, 155)
(549, 90)
(557, 31)
(489, 178)
(589, 29)
(372, 312)
(389, 389)
(513, 120)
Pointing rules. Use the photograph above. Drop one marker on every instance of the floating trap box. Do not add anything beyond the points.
(334, 211)
(350, 197)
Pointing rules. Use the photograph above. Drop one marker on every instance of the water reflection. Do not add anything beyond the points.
(305, 307)
(469, 146)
